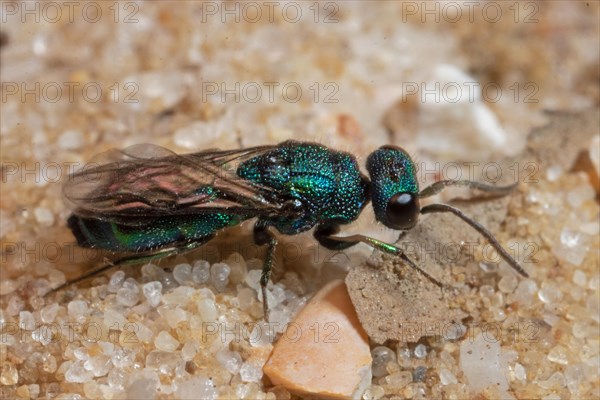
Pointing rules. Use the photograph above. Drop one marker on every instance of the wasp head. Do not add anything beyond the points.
(394, 187)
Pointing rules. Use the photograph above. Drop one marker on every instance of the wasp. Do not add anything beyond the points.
(147, 201)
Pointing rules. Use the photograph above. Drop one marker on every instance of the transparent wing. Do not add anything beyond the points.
(147, 181)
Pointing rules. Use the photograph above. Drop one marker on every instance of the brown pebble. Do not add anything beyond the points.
(324, 352)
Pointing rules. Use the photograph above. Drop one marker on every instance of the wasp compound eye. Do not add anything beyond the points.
(402, 211)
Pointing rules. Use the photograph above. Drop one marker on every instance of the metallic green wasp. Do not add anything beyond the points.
(150, 202)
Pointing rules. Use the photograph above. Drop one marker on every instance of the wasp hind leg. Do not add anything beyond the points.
(135, 259)
(262, 236)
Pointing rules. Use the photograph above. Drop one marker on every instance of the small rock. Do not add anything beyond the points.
(480, 362)
(173, 314)
(201, 272)
(114, 319)
(163, 360)
(164, 341)
(23, 392)
(253, 279)
(43, 216)
(447, 377)
(107, 348)
(189, 350)
(208, 132)
(142, 387)
(398, 380)
(558, 354)
(420, 351)
(525, 291)
(554, 172)
(246, 297)
(455, 123)
(238, 268)
(198, 387)
(180, 295)
(207, 310)
(219, 275)
(77, 373)
(182, 273)
(15, 305)
(9, 375)
(579, 278)
(26, 321)
(48, 313)
(550, 293)
(508, 283)
(336, 363)
(98, 365)
(7, 287)
(454, 331)
(129, 294)
(520, 372)
(153, 292)
(34, 391)
(56, 278)
(374, 392)
(381, 356)
(158, 90)
(573, 377)
(78, 310)
(571, 247)
(70, 140)
(116, 280)
(251, 371)
(144, 333)
(230, 360)
(262, 334)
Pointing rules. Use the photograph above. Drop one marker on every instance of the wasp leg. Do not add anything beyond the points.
(323, 234)
(386, 248)
(135, 259)
(437, 187)
(263, 236)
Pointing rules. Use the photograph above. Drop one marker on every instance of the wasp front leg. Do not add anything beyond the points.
(325, 237)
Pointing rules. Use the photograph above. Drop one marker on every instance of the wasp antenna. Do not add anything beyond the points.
(439, 208)
(438, 186)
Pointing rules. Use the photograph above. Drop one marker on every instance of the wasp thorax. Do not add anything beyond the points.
(394, 187)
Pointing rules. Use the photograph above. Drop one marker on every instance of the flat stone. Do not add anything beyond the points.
(394, 302)
(324, 352)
